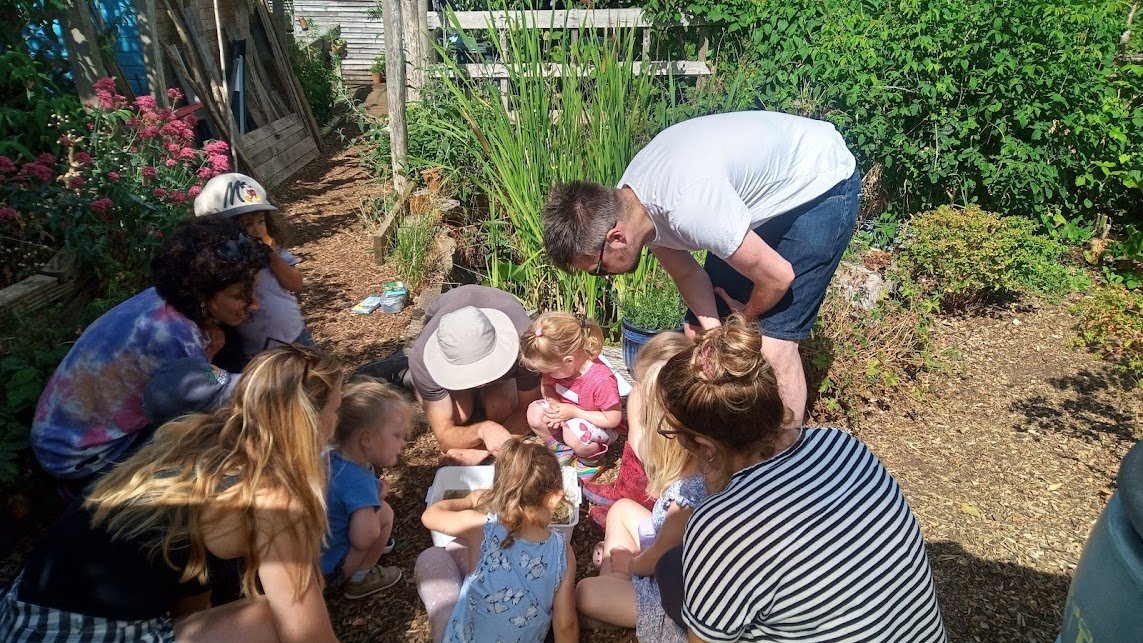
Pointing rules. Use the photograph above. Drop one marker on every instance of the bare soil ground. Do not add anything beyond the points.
(1007, 454)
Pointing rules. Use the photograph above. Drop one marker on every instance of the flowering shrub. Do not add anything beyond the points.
(130, 173)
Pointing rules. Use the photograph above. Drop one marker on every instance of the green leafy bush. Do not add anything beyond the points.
(652, 302)
(317, 74)
(1110, 323)
(29, 353)
(1019, 107)
(971, 257)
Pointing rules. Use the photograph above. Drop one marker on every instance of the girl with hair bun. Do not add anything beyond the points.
(520, 575)
(580, 410)
(810, 536)
(139, 556)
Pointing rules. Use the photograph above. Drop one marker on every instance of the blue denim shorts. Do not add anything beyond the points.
(812, 237)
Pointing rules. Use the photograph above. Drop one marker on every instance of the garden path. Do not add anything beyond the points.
(1007, 454)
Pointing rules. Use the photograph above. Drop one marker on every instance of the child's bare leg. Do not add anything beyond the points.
(584, 450)
(365, 559)
(608, 597)
(439, 577)
(536, 419)
(622, 529)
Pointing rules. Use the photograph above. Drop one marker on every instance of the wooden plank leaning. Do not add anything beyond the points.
(282, 62)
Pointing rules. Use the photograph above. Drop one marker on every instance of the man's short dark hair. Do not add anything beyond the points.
(576, 218)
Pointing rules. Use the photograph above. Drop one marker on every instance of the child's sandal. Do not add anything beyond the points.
(597, 555)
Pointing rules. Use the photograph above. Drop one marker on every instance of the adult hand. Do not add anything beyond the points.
(494, 436)
(621, 559)
(692, 331)
(732, 303)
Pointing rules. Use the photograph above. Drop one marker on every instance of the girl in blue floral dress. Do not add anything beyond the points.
(523, 574)
(625, 592)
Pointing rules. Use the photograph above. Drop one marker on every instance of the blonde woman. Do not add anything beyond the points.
(625, 592)
(136, 558)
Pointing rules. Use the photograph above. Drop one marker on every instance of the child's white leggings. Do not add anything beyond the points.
(439, 574)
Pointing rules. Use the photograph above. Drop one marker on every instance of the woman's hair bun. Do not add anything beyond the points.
(732, 351)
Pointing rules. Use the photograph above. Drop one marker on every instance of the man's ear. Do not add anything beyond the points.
(617, 238)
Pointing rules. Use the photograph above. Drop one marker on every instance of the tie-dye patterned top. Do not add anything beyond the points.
(508, 599)
(93, 405)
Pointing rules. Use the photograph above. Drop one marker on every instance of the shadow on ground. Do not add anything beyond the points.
(984, 600)
(1087, 405)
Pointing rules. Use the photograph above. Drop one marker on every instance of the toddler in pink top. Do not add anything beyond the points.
(580, 409)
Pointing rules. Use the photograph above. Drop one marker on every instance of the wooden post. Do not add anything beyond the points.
(395, 86)
(152, 52)
(83, 49)
(412, 17)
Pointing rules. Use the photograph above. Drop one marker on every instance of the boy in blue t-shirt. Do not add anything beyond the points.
(371, 429)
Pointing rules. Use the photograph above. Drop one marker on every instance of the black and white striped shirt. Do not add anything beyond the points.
(814, 544)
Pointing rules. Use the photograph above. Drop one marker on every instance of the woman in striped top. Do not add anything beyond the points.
(810, 538)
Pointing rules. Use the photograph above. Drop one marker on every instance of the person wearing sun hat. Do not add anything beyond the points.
(279, 317)
(465, 369)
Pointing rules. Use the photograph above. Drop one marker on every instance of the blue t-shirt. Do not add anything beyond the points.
(351, 487)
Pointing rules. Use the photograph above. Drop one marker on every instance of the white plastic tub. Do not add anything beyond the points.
(469, 478)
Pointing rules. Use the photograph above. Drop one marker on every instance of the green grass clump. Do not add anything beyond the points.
(969, 257)
(413, 250)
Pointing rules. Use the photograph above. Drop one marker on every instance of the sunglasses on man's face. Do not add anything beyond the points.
(599, 270)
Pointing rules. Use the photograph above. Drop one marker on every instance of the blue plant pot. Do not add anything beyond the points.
(633, 339)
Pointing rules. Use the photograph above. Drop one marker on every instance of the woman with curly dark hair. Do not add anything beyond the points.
(90, 415)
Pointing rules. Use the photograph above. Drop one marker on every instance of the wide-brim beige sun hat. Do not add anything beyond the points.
(471, 347)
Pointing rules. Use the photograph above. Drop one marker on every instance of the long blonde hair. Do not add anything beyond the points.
(525, 477)
(553, 336)
(268, 440)
(664, 460)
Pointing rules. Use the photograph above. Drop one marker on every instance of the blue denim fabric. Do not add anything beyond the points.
(812, 238)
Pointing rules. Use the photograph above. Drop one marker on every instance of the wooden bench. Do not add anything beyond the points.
(569, 19)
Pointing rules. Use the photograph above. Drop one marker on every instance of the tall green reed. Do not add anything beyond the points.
(576, 109)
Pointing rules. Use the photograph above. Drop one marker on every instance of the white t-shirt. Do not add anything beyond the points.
(279, 315)
(706, 182)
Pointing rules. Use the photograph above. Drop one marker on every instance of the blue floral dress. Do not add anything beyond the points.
(508, 598)
(651, 622)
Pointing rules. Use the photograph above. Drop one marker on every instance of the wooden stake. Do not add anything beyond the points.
(395, 86)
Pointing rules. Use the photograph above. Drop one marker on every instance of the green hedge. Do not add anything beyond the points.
(1016, 105)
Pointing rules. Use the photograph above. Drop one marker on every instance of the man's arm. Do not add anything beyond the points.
(771, 274)
(693, 283)
(477, 435)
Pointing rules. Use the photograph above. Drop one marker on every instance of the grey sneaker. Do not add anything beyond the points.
(377, 579)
